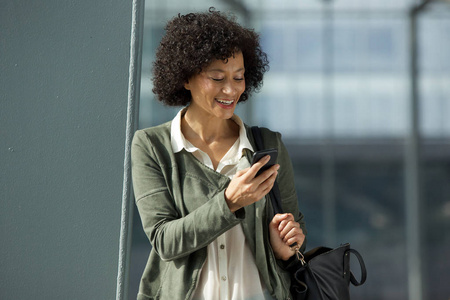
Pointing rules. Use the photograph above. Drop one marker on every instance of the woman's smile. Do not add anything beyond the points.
(225, 103)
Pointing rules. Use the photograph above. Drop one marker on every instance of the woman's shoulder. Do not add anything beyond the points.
(159, 133)
(268, 135)
(162, 129)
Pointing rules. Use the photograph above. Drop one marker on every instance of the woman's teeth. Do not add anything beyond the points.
(226, 102)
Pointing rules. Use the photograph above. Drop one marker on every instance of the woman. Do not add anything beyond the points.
(212, 229)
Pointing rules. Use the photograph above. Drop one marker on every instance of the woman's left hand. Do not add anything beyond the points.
(285, 231)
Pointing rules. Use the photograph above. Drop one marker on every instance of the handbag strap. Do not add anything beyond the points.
(275, 196)
(353, 280)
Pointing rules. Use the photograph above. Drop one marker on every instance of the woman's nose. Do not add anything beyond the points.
(228, 88)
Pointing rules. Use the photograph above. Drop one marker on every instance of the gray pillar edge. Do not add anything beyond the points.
(413, 188)
(134, 84)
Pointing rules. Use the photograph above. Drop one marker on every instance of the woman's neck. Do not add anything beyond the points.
(206, 128)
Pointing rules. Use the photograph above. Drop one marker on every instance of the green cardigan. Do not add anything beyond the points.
(182, 207)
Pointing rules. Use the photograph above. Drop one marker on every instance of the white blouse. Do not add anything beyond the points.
(230, 271)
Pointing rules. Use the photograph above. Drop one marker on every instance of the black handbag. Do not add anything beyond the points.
(325, 273)
(322, 273)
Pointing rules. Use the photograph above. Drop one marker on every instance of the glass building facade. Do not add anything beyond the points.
(340, 90)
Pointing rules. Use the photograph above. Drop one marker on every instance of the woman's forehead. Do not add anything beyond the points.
(236, 62)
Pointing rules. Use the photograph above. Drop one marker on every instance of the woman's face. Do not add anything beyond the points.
(217, 89)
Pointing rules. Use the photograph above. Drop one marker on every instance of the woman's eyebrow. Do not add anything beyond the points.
(223, 71)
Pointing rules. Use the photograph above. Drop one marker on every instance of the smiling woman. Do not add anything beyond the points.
(202, 206)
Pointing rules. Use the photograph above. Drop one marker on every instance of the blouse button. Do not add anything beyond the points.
(222, 246)
(224, 278)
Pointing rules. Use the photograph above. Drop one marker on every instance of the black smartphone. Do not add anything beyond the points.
(260, 154)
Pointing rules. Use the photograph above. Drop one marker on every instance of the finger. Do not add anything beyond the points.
(282, 225)
(295, 235)
(277, 219)
(298, 239)
(263, 188)
(293, 232)
(264, 176)
(293, 241)
(288, 221)
(289, 226)
(267, 184)
(241, 172)
(257, 166)
(290, 217)
(286, 218)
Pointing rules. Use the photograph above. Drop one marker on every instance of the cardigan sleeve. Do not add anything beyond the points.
(171, 233)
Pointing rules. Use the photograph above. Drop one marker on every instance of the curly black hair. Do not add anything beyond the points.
(192, 42)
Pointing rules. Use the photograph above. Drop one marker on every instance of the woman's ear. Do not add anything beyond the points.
(187, 85)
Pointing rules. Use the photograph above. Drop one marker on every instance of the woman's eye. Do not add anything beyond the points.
(221, 79)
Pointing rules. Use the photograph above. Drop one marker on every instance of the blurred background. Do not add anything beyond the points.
(360, 91)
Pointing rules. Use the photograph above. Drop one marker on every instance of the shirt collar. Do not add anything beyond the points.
(179, 142)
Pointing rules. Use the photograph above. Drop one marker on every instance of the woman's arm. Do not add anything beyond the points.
(172, 234)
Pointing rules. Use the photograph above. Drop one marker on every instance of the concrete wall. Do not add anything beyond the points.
(63, 113)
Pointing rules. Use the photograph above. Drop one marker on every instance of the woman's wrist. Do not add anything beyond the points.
(233, 206)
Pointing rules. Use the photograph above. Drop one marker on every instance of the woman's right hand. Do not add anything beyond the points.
(245, 189)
